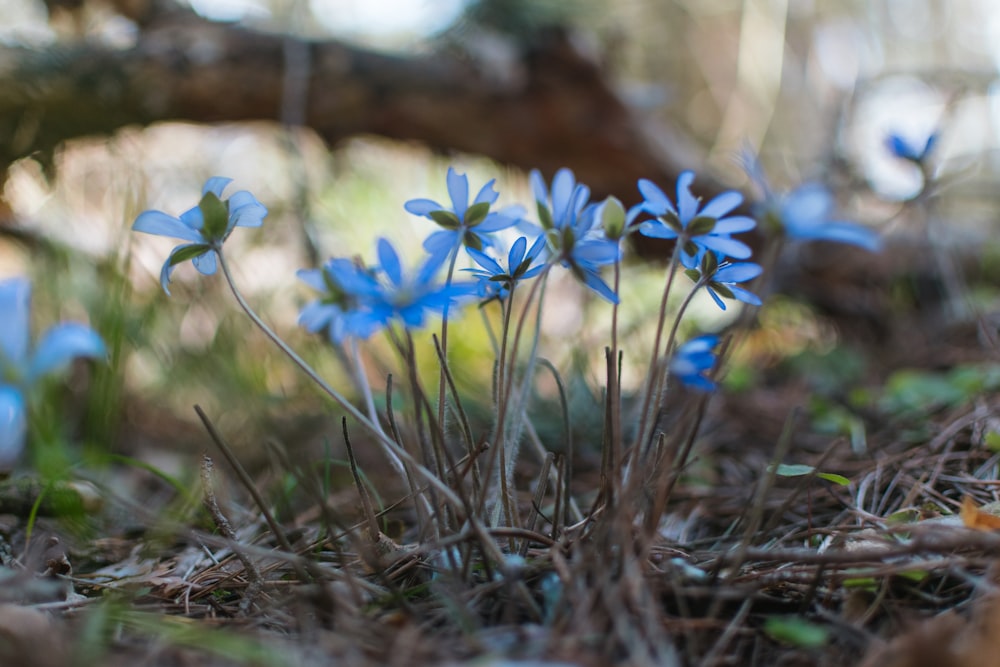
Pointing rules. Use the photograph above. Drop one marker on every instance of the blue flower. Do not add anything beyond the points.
(21, 369)
(693, 226)
(568, 220)
(338, 313)
(385, 293)
(566, 205)
(805, 213)
(906, 149)
(693, 360)
(206, 226)
(495, 281)
(722, 279)
(464, 223)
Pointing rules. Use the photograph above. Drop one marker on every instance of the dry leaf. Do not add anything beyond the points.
(975, 518)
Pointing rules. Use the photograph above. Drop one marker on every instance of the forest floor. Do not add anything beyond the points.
(835, 509)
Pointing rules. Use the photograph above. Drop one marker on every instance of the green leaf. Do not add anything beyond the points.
(476, 213)
(701, 225)
(189, 252)
(545, 216)
(800, 469)
(446, 219)
(992, 441)
(472, 241)
(216, 217)
(794, 470)
(835, 478)
(796, 631)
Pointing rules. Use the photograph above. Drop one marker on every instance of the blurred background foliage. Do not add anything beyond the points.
(813, 86)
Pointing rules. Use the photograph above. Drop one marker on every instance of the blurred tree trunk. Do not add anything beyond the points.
(550, 108)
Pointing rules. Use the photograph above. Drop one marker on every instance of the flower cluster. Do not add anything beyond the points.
(571, 231)
(22, 367)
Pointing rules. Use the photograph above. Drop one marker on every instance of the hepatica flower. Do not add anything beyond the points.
(495, 281)
(464, 223)
(722, 279)
(385, 293)
(806, 213)
(693, 226)
(907, 148)
(568, 220)
(21, 368)
(205, 227)
(693, 360)
(338, 313)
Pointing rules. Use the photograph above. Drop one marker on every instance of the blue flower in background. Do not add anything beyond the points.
(693, 360)
(338, 313)
(907, 149)
(495, 281)
(464, 223)
(385, 293)
(805, 213)
(693, 226)
(206, 226)
(20, 368)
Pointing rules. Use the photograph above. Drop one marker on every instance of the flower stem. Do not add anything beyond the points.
(397, 455)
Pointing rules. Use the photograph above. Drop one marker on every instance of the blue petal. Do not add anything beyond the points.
(737, 273)
(597, 252)
(216, 185)
(687, 203)
(516, 254)
(657, 230)
(313, 278)
(715, 297)
(205, 263)
(422, 207)
(538, 187)
(13, 425)
(594, 282)
(60, 345)
(161, 224)
(537, 247)
(494, 222)
(316, 315)
(722, 204)
(15, 305)
(734, 225)
(657, 202)
(245, 210)
(430, 267)
(487, 193)
(563, 191)
(458, 190)
(697, 382)
(351, 279)
(389, 261)
(840, 232)
(745, 296)
(485, 261)
(442, 241)
(809, 204)
(725, 245)
(195, 219)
